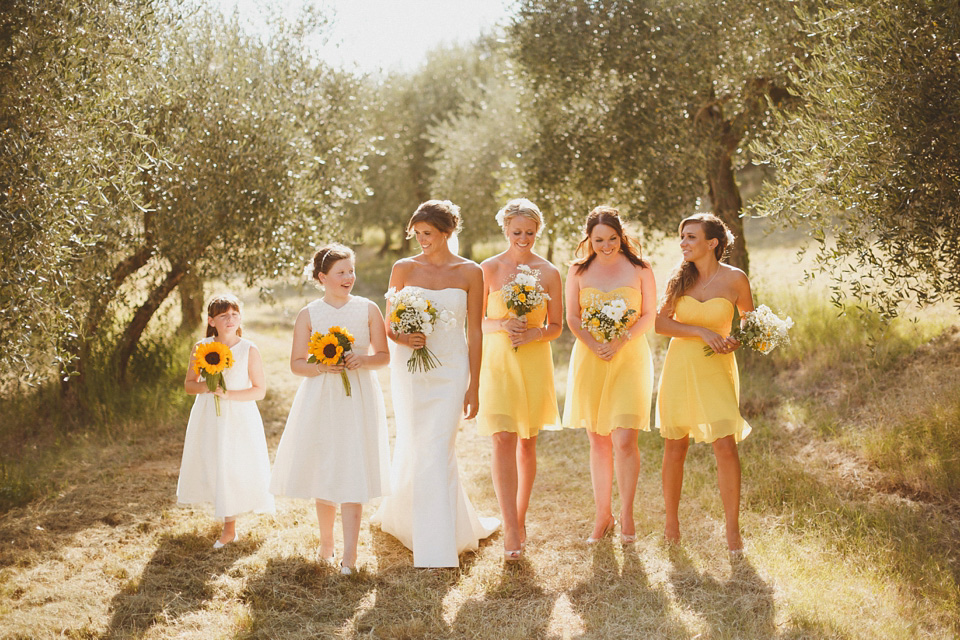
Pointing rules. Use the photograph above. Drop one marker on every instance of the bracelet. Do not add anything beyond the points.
(540, 337)
(318, 369)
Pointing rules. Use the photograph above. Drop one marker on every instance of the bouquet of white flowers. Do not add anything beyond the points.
(761, 330)
(607, 320)
(523, 293)
(413, 313)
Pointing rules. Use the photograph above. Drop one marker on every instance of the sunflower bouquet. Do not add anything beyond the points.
(210, 360)
(607, 320)
(523, 293)
(761, 330)
(329, 348)
(413, 313)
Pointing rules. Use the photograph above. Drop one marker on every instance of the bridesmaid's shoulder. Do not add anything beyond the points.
(736, 275)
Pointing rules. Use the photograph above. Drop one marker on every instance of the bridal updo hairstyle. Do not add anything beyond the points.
(442, 215)
(520, 207)
(686, 273)
(609, 216)
(326, 256)
(221, 303)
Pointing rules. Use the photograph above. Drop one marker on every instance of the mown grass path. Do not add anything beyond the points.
(112, 556)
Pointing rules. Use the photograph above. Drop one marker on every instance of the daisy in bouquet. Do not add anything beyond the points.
(211, 359)
(761, 330)
(413, 313)
(523, 293)
(330, 348)
(607, 320)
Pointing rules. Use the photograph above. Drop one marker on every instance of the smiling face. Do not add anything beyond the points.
(339, 278)
(604, 240)
(429, 237)
(521, 232)
(694, 243)
(226, 323)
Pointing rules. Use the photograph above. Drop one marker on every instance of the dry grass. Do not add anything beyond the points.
(834, 549)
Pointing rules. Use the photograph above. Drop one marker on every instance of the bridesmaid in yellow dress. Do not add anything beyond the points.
(517, 395)
(699, 395)
(610, 384)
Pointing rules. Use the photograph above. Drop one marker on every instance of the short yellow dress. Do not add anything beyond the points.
(699, 395)
(616, 394)
(517, 392)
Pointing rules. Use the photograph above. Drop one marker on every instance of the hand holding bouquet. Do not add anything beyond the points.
(210, 360)
(413, 313)
(330, 348)
(761, 330)
(523, 293)
(607, 320)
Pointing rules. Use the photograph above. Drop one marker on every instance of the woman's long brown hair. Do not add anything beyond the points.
(609, 216)
(685, 275)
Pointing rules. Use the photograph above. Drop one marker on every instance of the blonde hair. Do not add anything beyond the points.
(520, 207)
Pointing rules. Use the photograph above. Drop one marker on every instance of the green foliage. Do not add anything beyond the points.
(872, 160)
(646, 104)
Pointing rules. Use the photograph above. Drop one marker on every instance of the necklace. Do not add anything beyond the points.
(703, 287)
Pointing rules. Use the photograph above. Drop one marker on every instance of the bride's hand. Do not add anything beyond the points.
(415, 340)
(471, 402)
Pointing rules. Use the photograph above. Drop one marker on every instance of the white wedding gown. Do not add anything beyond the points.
(428, 511)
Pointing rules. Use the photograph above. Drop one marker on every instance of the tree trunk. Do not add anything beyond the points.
(128, 341)
(71, 387)
(191, 303)
(385, 247)
(719, 140)
(727, 204)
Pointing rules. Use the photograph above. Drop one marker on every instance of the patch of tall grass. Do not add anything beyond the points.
(43, 434)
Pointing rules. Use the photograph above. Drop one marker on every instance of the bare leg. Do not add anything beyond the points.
(601, 474)
(626, 461)
(350, 513)
(504, 471)
(674, 455)
(526, 473)
(326, 514)
(728, 478)
(229, 532)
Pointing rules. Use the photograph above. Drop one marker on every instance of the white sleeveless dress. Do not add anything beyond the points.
(334, 447)
(225, 459)
(429, 512)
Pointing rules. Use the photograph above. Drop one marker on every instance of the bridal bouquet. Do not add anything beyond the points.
(523, 293)
(607, 320)
(329, 348)
(761, 330)
(413, 313)
(210, 360)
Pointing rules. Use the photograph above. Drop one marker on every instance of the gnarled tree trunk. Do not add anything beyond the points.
(191, 303)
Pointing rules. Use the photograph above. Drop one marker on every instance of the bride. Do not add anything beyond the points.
(428, 511)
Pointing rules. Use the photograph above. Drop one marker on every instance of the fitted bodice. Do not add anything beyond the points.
(497, 308)
(715, 314)
(353, 316)
(590, 296)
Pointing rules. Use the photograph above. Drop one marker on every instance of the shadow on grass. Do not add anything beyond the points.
(741, 607)
(515, 606)
(176, 581)
(409, 601)
(296, 597)
(619, 602)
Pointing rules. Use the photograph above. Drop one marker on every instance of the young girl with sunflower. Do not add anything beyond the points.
(334, 445)
(225, 459)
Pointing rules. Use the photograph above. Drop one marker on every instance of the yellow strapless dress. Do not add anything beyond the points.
(699, 395)
(606, 395)
(517, 392)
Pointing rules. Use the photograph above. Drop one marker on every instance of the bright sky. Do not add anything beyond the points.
(390, 35)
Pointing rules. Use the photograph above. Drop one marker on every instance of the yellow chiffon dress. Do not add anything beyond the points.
(605, 395)
(517, 393)
(699, 395)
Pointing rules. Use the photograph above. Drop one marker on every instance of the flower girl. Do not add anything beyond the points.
(334, 446)
(225, 458)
